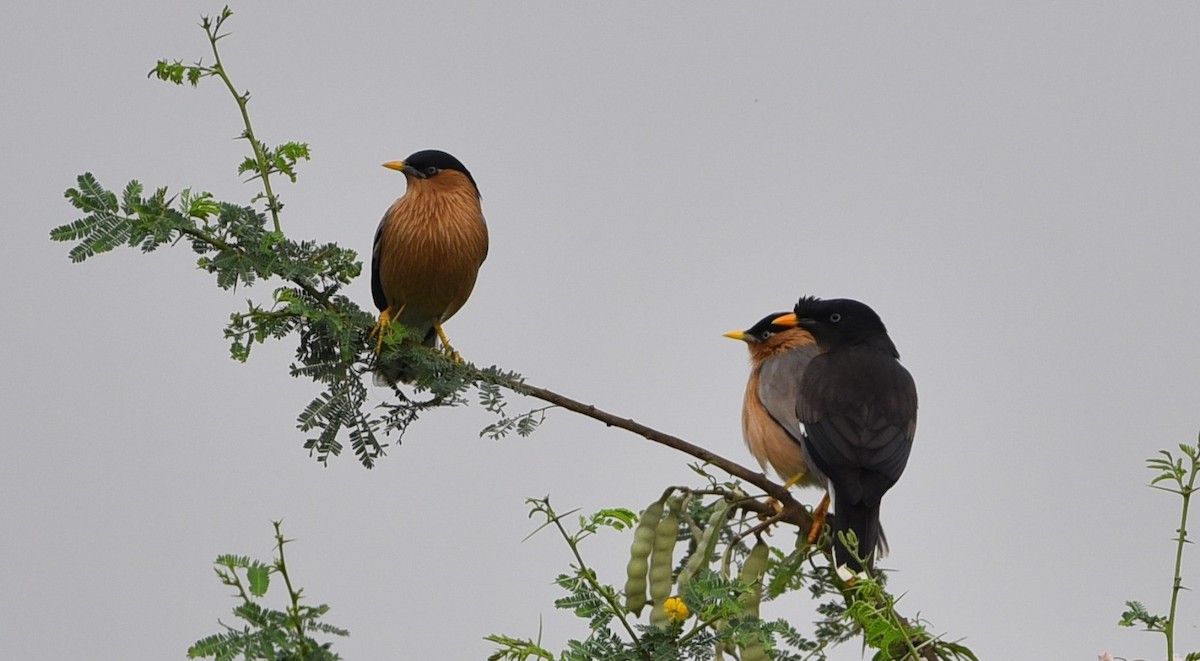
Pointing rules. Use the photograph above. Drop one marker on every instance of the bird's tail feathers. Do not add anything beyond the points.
(864, 521)
(881, 547)
(387, 376)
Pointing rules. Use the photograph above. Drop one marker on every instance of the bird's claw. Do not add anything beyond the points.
(385, 320)
(450, 352)
(776, 505)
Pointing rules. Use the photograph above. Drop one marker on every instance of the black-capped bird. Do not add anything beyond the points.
(858, 405)
(428, 250)
(778, 357)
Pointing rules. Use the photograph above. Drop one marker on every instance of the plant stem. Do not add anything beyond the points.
(281, 566)
(212, 28)
(234, 580)
(589, 576)
(700, 625)
(1177, 585)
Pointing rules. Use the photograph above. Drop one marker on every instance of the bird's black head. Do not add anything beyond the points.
(761, 331)
(840, 322)
(428, 163)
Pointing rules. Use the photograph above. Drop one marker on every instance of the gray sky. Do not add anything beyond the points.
(1013, 190)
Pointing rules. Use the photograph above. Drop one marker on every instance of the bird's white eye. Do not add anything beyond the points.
(431, 170)
(835, 317)
(765, 335)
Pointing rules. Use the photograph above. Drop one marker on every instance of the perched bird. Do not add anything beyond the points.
(428, 250)
(858, 405)
(778, 356)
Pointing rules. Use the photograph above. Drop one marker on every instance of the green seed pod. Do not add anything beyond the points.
(639, 557)
(726, 646)
(661, 562)
(753, 571)
(704, 546)
(753, 651)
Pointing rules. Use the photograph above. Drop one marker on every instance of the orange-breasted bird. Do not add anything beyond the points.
(778, 358)
(428, 250)
(858, 405)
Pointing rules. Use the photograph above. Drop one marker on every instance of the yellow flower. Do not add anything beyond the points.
(677, 611)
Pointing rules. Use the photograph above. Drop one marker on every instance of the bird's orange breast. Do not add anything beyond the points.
(431, 248)
(770, 444)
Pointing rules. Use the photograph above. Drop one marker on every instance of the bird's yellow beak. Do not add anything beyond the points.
(736, 335)
(395, 165)
(788, 320)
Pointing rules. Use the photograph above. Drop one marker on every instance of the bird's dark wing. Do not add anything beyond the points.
(381, 301)
(859, 412)
(779, 386)
(862, 457)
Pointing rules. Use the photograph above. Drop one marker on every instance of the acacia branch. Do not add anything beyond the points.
(793, 512)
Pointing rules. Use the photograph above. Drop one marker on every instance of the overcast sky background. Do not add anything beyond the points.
(1013, 189)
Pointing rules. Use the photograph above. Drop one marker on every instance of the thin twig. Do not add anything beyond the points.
(792, 513)
(212, 27)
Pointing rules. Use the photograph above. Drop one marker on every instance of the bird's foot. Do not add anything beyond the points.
(778, 506)
(385, 320)
(786, 485)
(775, 505)
(450, 352)
(818, 523)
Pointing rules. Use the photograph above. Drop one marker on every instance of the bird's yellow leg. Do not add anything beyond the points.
(818, 519)
(385, 320)
(454, 355)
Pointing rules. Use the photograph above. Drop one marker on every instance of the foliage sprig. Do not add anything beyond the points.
(264, 160)
(1176, 475)
(268, 633)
